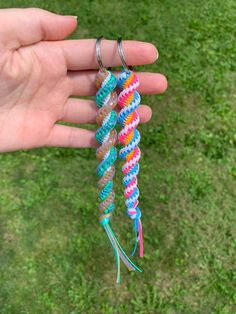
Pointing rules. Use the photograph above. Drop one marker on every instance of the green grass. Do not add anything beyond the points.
(55, 258)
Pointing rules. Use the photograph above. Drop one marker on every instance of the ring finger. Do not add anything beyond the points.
(82, 111)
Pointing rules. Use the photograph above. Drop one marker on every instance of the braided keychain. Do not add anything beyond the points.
(106, 100)
(129, 137)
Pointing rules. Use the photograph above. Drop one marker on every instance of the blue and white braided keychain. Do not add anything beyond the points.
(129, 137)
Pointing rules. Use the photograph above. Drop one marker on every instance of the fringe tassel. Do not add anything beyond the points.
(119, 253)
(138, 238)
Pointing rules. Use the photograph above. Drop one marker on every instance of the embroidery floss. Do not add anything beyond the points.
(129, 137)
(106, 135)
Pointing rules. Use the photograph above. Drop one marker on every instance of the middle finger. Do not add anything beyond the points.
(84, 82)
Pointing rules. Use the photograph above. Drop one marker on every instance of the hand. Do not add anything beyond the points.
(40, 71)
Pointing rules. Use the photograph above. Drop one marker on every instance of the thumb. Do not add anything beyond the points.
(20, 27)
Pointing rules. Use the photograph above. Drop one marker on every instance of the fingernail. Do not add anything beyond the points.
(157, 56)
(74, 16)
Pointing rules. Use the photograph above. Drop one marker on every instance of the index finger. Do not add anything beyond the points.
(81, 55)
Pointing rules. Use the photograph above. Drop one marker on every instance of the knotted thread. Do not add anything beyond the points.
(129, 137)
(106, 100)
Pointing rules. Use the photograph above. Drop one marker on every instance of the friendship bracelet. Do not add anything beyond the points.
(106, 135)
(129, 137)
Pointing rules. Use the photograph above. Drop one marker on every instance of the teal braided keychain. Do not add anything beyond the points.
(106, 135)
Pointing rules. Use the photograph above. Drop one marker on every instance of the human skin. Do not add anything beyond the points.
(41, 73)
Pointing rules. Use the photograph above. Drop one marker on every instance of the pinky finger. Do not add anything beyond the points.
(67, 136)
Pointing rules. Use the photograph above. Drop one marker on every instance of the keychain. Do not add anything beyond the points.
(106, 135)
(129, 137)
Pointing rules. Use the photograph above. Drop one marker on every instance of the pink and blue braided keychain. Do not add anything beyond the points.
(129, 137)
(106, 100)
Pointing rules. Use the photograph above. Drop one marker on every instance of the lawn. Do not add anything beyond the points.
(55, 258)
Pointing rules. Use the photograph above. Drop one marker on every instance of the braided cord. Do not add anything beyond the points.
(129, 137)
(106, 100)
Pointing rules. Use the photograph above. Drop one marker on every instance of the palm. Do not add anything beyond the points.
(37, 98)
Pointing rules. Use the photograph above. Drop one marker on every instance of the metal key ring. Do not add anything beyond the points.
(122, 55)
(98, 53)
